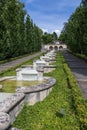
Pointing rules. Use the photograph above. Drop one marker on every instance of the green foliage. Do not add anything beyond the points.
(74, 33)
(81, 56)
(78, 100)
(55, 36)
(48, 38)
(47, 115)
(18, 35)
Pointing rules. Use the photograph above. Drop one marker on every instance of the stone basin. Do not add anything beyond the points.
(10, 85)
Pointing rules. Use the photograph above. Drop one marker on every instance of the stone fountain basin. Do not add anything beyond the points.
(33, 94)
(37, 93)
(10, 84)
(49, 82)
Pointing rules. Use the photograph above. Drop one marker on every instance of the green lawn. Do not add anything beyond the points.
(56, 111)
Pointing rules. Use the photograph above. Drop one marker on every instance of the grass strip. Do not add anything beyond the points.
(12, 71)
(55, 112)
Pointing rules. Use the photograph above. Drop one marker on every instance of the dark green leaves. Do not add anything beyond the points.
(18, 34)
(74, 33)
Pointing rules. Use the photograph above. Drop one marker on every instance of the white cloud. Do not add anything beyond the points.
(50, 17)
(45, 30)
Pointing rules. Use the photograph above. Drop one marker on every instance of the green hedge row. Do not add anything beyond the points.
(81, 56)
(78, 100)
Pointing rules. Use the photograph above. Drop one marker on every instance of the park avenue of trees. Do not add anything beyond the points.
(18, 34)
(74, 33)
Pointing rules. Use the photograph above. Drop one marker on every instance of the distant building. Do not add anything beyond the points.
(56, 46)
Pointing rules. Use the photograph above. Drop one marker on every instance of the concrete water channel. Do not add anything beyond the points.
(79, 69)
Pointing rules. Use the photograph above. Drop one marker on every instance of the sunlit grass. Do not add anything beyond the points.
(46, 115)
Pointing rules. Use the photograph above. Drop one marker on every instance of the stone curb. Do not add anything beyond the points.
(5, 121)
(49, 83)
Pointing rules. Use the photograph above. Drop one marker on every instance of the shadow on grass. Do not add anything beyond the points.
(58, 114)
(61, 113)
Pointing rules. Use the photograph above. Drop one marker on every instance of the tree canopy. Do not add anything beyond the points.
(74, 33)
(48, 38)
(18, 34)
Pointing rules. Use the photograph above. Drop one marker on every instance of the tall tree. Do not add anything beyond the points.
(18, 35)
(74, 32)
(48, 38)
(28, 34)
(55, 36)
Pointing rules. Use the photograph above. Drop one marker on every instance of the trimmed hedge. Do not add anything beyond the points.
(78, 100)
(84, 57)
(55, 112)
(81, 56)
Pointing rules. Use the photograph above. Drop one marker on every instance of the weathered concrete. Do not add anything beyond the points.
(5, 121)
(12, 105)
(79, 69)
(37, 93)
(3, 96)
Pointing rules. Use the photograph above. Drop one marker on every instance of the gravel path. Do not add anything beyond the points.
(79, 69)
(14, 63)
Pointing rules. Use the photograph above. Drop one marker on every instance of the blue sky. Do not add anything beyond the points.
(50, 15)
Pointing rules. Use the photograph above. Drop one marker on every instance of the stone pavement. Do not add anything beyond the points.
(14, 63)
(79, 69)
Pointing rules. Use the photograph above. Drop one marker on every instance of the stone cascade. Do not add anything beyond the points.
(27, 74)
(11, 106)
(37, 93)
(39, 63)
(50, 59)
(35, 72)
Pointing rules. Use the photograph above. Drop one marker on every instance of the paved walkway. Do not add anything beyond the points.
(79, 69)
(14, 63)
